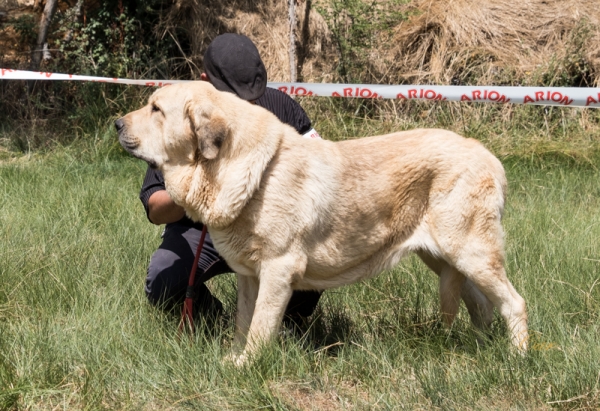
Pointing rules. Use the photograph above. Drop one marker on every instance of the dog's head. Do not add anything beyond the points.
(181, 124)
(212, 147)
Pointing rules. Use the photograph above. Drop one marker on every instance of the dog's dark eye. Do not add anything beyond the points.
(155, 108)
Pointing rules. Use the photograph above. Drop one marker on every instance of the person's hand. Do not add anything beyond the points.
(162, 209)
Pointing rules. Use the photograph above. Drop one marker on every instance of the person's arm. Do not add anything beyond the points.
(162, 209)
(301, 121)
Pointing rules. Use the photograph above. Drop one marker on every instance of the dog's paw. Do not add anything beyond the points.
(520, 341)
(238, 360)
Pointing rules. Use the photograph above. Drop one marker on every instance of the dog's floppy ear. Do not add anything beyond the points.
(212, 136)
(210, 128)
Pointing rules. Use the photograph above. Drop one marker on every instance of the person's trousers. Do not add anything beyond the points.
(170, 266)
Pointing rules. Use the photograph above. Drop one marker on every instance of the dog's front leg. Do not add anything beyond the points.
(274, 286)
(274, 293)
(273, 297)
(247, 294)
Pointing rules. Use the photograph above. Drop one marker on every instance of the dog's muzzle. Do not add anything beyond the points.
(123, 138)
(129, 145)
(119, 124)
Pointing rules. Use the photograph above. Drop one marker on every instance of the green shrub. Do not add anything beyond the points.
(116, 39)
(356, 25)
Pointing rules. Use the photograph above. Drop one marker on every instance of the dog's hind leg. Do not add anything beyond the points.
(473, 242)
(484, 266)
(454, 286)
(451, 283)
(481, 309)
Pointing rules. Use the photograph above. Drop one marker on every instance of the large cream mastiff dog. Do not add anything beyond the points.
(289, 213)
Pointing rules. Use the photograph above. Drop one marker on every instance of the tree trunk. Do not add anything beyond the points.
(292, 49)
(36, 55)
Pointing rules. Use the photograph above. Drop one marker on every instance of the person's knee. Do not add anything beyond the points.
(164, 280)
(155, 289)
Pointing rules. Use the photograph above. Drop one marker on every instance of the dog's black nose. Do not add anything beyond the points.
(119, 124)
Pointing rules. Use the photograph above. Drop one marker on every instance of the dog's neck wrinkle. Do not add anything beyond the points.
(200, 195)
(215, 192)
(241, 178)
(235, 178)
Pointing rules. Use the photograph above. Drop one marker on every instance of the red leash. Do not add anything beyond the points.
(186, 312)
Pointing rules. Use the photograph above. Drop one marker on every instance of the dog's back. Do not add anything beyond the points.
(356, 207)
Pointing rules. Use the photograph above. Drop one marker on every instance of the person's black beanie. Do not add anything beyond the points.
(233, 64)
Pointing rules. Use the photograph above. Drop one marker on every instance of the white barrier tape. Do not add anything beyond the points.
(550, 96)
(8, 74)
(547, 96)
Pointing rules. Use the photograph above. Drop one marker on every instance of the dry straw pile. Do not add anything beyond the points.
(504, 41)
(267, 24)
(442, 41)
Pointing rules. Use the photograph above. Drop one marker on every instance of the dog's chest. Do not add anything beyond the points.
(236, 250)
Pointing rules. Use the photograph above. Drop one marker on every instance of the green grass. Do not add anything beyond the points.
(76, 331)
(507, 130)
